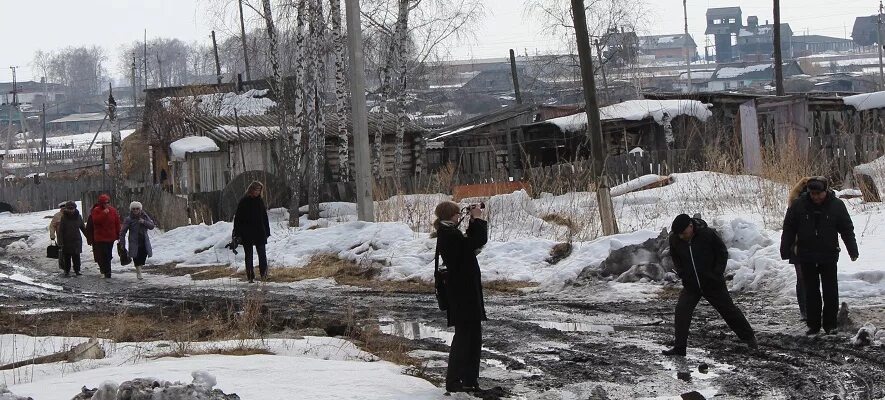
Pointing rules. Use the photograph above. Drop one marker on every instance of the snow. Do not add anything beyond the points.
(866, 101)
(310, 368)
(192, 144)
(637, 110)
(80, 141)
(734, 72)
(635, 184)
(454, 132)
(252, 102)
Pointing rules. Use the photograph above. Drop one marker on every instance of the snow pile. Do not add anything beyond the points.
(142, 388)
(252, 102)
(79, 141)
(874, 169)
(637, 110)
(326, 368)
(192, 144)
(636, 184)
(734, 72)
(5, 394)
(866, 101)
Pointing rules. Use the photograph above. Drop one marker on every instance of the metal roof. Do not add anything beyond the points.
(266, 127)
(85, 117)
(723, 12)
(485, 119)
(675, 41)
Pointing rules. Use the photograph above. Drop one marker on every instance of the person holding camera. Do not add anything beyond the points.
(466, 309)
(252, 228)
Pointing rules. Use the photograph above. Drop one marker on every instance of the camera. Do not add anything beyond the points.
(481, 206)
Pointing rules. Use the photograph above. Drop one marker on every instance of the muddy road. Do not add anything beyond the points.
(584, 342)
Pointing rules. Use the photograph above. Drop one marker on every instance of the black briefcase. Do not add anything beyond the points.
(52, 251)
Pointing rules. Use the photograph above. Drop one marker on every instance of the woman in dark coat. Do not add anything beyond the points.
(70, 241)
(137, 224)
(252, 228)
(466, 309)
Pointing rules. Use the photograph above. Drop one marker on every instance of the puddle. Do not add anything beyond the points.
(576, 327)
(414, 330)
(699, 375)
(35, 311)
(17, 277)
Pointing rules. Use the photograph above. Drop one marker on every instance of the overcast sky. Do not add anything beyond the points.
(27, 26)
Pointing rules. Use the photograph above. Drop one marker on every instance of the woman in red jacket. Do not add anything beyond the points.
(103, 229)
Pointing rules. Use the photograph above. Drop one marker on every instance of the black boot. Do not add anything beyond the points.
(675, 351)
(812, 331)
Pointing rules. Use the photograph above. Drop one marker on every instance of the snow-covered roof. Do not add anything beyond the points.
(84, 117)
(866, 101)
(192, 144)
(252, 102)
(734, 72)
(637, 110)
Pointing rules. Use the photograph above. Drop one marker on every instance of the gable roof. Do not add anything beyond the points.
(759, 71)
(657, 42)
(480, 121)
(819, 39)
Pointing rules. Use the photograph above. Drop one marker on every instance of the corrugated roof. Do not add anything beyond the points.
(485, 119)
(266, 127)
(675, 41)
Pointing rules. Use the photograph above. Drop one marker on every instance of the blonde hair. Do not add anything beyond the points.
(445, 211)
(255, 185)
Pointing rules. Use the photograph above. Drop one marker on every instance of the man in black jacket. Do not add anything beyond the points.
(812, 227)
(699, 256)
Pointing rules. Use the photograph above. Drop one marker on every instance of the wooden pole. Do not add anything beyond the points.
(243, 38)
(778, 57)
(43, 122)
(217, 63)
(365, 205)
(879, 45)
(594, 125)
(685, 45)
(515, 77)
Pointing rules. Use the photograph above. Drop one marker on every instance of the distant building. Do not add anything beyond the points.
(756, 42)
(864, 31)
(816, 44)
(31, 92)
(621, 47)
(78, 123)
(746, 76)
(722, 23)
(669, 47)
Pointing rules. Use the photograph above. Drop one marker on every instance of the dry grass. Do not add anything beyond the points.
(240, 350)
(508, 286)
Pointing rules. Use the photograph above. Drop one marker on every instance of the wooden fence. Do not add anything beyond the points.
(168, 211)
(27, 195)
(54, 156)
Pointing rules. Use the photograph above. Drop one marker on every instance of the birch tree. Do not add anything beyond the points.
(402, 60)
(314, 112)
(116, 146)
(340, 92)
(295, 150)
(385, 90)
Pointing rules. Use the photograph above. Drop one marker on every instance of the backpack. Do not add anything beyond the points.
(439, 283)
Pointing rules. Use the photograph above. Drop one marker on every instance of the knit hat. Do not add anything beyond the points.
(104, 198)
(133, 205)
(680, 223)
(816, 184)
(71, 205)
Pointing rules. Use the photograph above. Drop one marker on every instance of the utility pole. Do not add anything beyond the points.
(134, 85)
(687, 48)
(365, 202)
(594, 126)
(778, 57)
(14, 88)
(879, 45)
(144, 58)
(43, 120)
(243, 38)
(515, 77)
(217, 63)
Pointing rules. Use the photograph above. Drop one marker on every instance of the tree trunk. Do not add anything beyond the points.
(402, 58)
(385, 90)
(117, 148)
(340, 94)
(279, 88)
(314, 110)
(294, 147)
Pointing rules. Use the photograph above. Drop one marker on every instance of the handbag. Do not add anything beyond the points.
(52, 251)
(124, 255)
(439, 283)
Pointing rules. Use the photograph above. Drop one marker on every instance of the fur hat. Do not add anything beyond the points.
(62, 204)
(71, 205)
(817, 184)
(680, 223)
(133, 205)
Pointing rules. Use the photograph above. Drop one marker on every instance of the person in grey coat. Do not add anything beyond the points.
(137, 224)
(70, 242)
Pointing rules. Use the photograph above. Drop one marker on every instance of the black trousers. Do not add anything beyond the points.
(262, 260)
(720, 299)
(104, 253)
(817, 278)
(69, 261)
(800, 291)
(464, 356)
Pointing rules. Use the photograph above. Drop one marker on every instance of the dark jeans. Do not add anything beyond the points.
(720, 299)
(800, 291)
(817, 277)
(104, 253)
(464, 355)
(68, 261)
(262, 260)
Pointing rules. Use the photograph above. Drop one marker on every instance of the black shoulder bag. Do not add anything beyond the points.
(439, 283)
